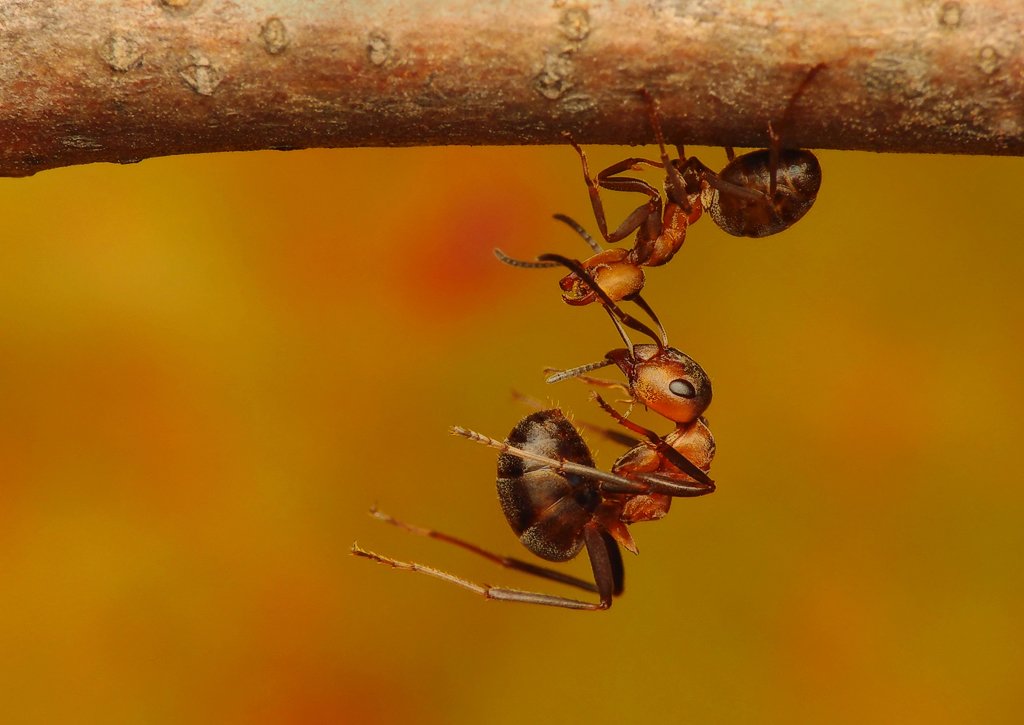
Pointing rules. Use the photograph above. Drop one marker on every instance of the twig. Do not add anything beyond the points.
(122, 80)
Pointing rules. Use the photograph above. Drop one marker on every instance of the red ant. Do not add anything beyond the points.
(557, 502)
(663, 379)
(757, 194)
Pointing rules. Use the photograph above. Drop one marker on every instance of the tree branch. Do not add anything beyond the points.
(122, 80)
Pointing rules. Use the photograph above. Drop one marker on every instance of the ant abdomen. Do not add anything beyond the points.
(546, 509)
(760, 214)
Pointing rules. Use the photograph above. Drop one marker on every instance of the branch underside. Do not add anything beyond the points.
(122, 80)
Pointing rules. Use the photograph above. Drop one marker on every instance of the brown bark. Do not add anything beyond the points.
(122, 80)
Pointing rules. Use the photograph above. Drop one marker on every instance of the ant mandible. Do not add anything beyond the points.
(660, 378)
(558, 503)
(618, 272)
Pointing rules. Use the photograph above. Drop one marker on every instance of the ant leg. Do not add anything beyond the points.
(611, 434)
(606, 179)
(646, 215)
(615, 562)
(506, 561)
(601, 562)
(609, 482)
(730, 154)
(727, 187)
(673, 179)
(676, 458)
(528, 400)
(775, 146)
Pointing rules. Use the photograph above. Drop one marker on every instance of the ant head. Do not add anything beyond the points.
(612, 271)
(582, 274)
(666, 380)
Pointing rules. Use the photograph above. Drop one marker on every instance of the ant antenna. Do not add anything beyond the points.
(532, 264)
(525, 264)
(577, 371)
(578, 228)
(627, 319)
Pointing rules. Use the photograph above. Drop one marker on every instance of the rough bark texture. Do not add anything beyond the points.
(122, 80)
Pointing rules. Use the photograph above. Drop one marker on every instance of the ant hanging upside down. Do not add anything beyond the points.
(555, 499)
(757, 194)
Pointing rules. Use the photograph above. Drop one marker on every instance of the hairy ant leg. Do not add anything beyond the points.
(507, 562)
(648, 213)
(676, 458)
(601, 560)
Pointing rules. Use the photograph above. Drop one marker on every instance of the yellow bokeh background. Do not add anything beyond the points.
(211, 367)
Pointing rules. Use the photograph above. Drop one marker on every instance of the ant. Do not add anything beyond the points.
(663, 379)
(558, 503)
(757, 194)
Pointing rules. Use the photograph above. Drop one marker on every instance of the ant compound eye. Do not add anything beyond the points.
(682, 388)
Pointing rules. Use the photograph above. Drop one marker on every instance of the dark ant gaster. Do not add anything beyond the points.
(757, 194)
(558, 503)
(767, 191)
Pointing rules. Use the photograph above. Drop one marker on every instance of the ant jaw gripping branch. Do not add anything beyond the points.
(617, 273)
(616, 313)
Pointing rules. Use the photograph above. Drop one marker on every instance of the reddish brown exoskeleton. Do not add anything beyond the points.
(660, 226)
(555, 499)
(757, 194)
(662, 379)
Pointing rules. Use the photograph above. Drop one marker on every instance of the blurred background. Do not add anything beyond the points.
(211, 367)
